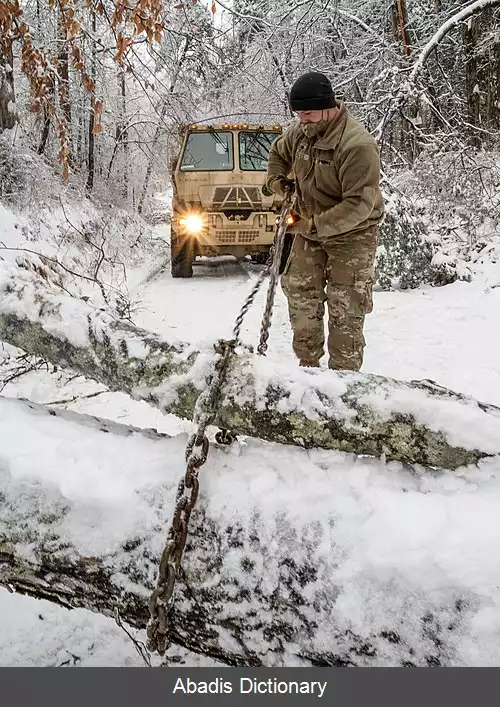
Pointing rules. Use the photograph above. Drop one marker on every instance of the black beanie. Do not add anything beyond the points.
(312, 91)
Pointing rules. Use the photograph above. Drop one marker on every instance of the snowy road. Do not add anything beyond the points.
(449, 334)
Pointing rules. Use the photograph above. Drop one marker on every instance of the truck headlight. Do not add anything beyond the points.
(192, 223)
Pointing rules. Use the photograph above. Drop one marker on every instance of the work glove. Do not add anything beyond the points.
(302, 226)
(279, 184)
(287, 184)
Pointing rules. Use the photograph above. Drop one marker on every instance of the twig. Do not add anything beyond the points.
(74, 398)
(71, 272)
(139, 645)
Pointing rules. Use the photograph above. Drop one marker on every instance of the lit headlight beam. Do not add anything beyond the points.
(192, 223)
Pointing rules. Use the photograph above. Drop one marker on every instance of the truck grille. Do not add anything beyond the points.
(237, 197)
(227, 235)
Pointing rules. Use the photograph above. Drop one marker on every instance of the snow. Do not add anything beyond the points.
(402, 540)
(41, 634)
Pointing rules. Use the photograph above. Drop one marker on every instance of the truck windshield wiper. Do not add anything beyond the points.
(254, 144)
(218, 139)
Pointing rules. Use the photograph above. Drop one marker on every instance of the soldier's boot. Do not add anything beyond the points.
(304, 363)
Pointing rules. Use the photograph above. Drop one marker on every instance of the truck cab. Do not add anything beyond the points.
(220, 205)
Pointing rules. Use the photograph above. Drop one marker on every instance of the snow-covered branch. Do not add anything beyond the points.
(413, 422)
(454, 20)
(409, 84)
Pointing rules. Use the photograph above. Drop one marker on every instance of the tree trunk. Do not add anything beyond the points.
(46, 126)
(490, 72)
(124, 137)
(265, 580)
(7, 96)
(401, 36)
(91, 143)
(469, 39)
(91, 153)
(149, 168)
(164, 108)
(356, 413)
(63, 75)
(121, 138)
(45, 133)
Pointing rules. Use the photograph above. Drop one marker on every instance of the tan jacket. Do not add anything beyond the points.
(336, 176)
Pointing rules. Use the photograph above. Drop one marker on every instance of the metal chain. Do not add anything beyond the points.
(205, 412)
(273, 267)
(161, 599)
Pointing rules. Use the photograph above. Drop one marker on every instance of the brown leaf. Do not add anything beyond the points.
(73, 29)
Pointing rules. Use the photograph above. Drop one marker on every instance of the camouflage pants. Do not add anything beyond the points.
(340, 272)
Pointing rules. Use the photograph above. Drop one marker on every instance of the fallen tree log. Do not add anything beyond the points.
(89, 421)
(417, 422)
(293, 556)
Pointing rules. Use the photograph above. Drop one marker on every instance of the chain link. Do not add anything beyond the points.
(273, 267)
(205, 412)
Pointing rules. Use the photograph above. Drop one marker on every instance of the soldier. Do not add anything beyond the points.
(331, 164)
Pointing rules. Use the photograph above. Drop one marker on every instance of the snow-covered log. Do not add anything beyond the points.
(414, 422)
(292, 555)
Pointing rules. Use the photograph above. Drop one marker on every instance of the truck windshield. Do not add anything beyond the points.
(208, 151)
(254, 149)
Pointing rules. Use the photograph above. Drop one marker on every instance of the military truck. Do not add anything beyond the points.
(220, 205)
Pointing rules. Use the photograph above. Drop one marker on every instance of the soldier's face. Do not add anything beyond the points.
(310, 116)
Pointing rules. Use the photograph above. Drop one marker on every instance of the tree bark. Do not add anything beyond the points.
(7, 97)
(64, 83)
(470, 31)
(262, 583)
(91, 136)
(121, 139)
(412, 422)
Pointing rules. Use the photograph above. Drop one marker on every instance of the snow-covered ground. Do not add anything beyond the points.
(441, 527)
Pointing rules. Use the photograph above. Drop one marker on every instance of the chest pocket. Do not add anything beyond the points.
(302, 162)
(326, 179)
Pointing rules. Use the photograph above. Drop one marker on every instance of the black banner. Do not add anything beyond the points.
(144, 687)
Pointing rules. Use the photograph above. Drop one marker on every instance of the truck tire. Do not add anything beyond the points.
(260, 258)
(181, 263)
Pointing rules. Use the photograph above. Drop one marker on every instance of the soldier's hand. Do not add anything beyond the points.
(287, 184)
(300, 225)
(278, 185)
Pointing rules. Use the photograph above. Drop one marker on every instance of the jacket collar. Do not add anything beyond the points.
(331, 138)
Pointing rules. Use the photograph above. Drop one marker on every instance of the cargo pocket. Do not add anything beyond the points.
(349, 294)
(363, 286)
